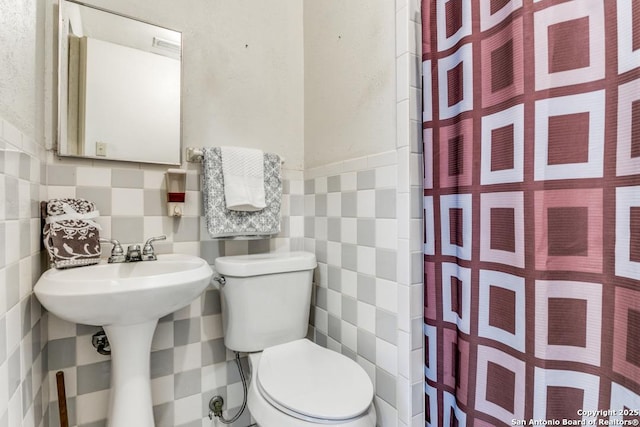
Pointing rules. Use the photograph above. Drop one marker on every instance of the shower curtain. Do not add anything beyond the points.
(531, 129)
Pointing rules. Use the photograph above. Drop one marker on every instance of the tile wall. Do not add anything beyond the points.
(350, 223)
(363, 299)
(189, 363)
(24, 390)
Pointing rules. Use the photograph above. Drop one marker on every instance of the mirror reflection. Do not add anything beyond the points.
(119, 87)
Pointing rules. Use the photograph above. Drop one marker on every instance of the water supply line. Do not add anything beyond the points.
(216, 402)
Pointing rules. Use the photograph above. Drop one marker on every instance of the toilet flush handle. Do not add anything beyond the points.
(221, 280)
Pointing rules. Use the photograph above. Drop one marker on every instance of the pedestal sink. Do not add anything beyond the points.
(126, 299)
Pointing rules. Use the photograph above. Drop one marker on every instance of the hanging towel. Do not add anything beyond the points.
(225, 223)
(243, 173)
(70, 234)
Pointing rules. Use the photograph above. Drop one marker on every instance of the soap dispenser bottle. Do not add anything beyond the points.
(176, 191)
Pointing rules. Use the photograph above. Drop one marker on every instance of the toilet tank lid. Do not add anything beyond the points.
(269, 263)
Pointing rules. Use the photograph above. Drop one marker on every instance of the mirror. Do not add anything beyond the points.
(119, 83)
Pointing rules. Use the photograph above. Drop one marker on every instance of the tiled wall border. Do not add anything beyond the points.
(410, 224)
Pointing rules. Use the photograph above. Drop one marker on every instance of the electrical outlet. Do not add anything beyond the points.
(101, 149)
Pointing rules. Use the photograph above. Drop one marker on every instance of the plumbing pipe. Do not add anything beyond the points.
(62, 400)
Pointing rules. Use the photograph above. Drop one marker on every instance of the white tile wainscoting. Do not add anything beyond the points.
(189, 362)
(24, 390)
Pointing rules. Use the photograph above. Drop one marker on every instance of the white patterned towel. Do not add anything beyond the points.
(225, 223)
(243, 173)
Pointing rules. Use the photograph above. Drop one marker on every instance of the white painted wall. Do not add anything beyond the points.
(350, 86)
(22, 66)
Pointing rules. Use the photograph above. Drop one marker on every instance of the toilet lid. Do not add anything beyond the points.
(314, 382)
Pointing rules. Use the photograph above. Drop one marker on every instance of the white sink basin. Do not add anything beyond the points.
(127, 299)
(124, 293)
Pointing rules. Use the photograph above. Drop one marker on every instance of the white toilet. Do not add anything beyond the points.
(294, 382)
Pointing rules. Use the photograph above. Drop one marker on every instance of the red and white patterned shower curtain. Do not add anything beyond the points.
(532, 211)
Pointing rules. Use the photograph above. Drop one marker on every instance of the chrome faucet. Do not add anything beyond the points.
(148, 253)
(117, 253)
(134, 254)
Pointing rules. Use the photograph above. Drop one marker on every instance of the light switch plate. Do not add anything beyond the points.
(101, 149)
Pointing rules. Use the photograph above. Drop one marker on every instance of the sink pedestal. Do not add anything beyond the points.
(130, 403)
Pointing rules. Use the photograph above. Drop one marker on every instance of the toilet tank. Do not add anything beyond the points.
(265, 298)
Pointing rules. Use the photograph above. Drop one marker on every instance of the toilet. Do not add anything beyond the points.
(294, 382)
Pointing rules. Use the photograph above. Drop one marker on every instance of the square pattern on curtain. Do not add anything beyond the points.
(531, 130)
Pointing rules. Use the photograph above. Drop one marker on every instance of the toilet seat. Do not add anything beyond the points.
(311, 383)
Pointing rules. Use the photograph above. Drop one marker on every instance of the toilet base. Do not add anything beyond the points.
(267, 415)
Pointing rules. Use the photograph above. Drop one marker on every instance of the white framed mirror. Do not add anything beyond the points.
(119, 87)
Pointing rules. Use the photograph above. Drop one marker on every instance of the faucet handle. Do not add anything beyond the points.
(148, 253)
(117, 253)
